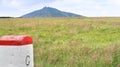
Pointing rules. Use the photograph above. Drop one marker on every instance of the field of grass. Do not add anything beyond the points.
(69, 42)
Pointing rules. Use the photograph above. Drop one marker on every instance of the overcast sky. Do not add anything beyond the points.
(89, 8)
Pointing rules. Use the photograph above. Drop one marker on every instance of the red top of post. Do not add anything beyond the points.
(15, 40)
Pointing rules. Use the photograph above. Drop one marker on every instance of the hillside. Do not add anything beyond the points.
(69, 42)
(49, 12)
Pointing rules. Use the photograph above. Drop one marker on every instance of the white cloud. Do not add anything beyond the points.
(17, 3)
(83, 7)
(11, 3)
(115, 2)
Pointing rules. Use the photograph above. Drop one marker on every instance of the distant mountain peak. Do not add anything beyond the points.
(50, 12)
(48, 8)
(45, 8)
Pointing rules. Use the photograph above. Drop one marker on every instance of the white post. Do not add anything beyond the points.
(16, 51)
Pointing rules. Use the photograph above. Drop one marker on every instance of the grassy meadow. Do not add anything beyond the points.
(69, 42)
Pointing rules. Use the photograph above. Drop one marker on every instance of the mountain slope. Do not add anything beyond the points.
(49, 12)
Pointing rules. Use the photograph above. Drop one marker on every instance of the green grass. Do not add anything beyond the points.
(69, 42)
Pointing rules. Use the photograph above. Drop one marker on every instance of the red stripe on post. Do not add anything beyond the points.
(15, 40)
